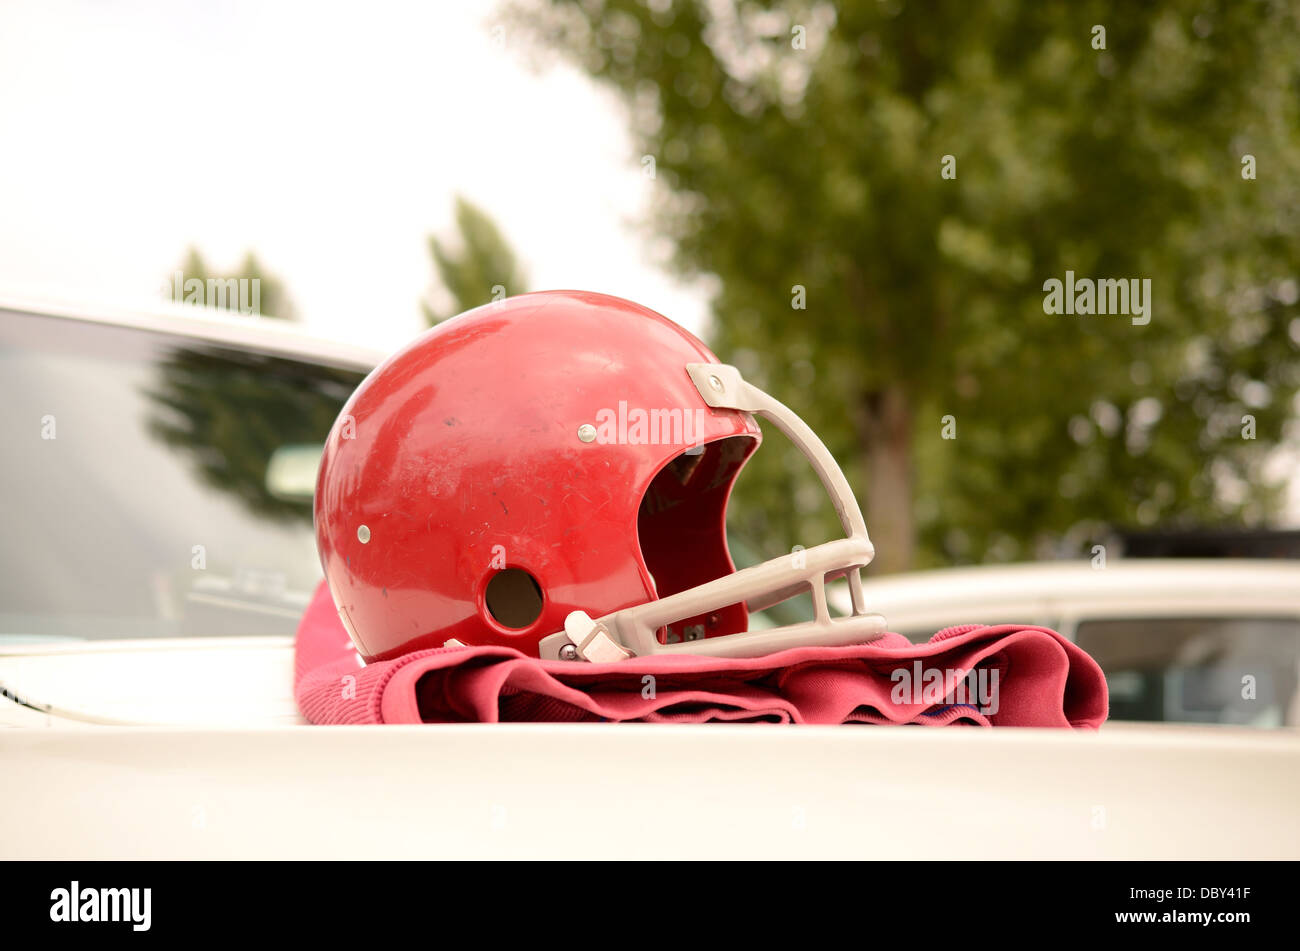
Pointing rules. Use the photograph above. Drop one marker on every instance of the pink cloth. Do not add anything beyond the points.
(1032, 676)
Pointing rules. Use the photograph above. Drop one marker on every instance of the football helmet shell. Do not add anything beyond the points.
(551, 473)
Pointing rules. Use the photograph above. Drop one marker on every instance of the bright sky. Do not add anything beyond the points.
(329, 144)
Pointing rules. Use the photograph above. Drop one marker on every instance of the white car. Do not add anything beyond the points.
(1180, 639)
(158, 552)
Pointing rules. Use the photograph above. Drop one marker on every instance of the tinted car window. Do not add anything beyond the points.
(155, 486)
(1201, 670)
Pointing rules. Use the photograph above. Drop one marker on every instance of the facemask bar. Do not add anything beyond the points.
(632, 631)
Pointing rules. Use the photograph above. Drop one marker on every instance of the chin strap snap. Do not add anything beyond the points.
(590, 640)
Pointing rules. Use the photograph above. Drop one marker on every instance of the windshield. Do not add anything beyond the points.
(156, 486)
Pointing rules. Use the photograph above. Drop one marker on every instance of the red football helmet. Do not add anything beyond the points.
(551, 473)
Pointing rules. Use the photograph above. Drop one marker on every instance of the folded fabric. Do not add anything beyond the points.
(1001, 675)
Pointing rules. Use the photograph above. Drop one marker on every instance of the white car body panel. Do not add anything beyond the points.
(265, 334)
(649, 791)
(198, 681)
(238, 774)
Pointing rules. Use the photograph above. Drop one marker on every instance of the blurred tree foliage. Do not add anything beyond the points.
(273, 298)
(802, 144)
(481, 269)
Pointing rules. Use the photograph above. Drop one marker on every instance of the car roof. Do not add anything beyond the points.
(1118, 574)
(265, 334)
(1063, 583)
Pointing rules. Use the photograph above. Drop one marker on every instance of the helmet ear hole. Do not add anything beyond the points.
(514, 598)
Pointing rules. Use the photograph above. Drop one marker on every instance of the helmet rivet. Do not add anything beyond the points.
(715, 382)
(587, 432)
(568, 652)
(363, 534)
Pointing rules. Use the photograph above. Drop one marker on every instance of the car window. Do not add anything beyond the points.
(1200, 670)
(155, 486)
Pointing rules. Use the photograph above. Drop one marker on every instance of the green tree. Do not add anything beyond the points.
(799, 152)
(272, 299)
(482, 268)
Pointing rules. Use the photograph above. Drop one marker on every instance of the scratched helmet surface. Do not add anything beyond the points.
(551, 473)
